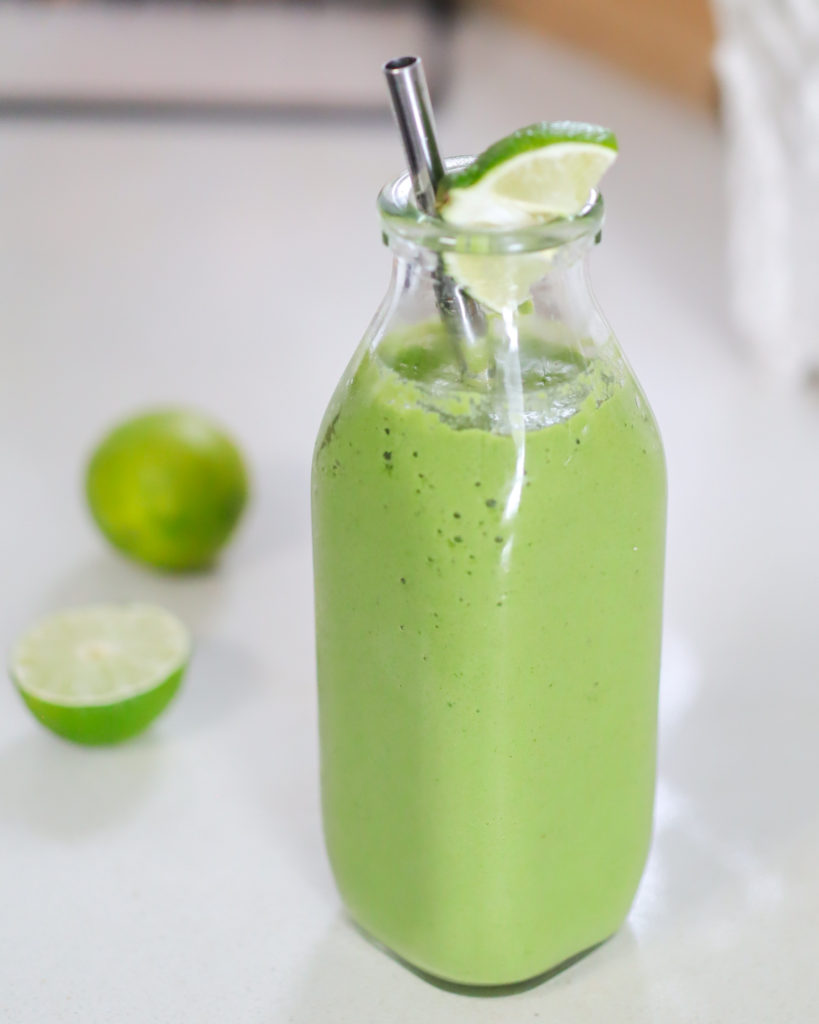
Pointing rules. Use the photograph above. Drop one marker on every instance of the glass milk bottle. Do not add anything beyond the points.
(488, 532)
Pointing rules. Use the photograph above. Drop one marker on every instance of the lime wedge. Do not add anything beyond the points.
(544, 171)
(101, 673)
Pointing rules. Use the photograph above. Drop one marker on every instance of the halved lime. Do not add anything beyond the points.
(101, 673)
(168, 487)
(544, 171)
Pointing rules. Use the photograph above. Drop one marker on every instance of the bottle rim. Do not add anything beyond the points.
(402, 221)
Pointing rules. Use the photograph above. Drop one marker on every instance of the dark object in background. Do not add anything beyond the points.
(215, 59)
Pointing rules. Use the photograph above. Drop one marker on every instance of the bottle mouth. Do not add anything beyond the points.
(403, 221)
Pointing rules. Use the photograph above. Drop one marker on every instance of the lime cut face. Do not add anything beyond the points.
(168, 488)
(101, 673)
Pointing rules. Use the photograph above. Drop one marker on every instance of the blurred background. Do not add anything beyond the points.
(750, 65)
(311, 54)
(187, 216)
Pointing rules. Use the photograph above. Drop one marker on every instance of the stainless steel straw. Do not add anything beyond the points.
(413, 114)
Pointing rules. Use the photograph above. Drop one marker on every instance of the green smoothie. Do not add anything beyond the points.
(488, 603)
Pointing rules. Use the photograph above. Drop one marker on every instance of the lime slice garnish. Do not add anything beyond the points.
(101, 673)
(538, 173)
(168, 488)
(545, 170)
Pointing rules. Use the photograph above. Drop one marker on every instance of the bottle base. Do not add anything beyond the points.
(479, 989)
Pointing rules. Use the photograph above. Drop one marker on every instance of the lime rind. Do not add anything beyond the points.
(100, 724)
(533, 136)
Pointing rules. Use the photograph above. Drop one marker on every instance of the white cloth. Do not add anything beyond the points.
(767, 60)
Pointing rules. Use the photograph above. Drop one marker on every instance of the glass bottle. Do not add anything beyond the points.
(488, 534)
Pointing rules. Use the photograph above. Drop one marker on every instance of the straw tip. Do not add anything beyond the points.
(398, 64)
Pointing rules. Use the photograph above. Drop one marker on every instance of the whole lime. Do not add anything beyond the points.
(168, 488)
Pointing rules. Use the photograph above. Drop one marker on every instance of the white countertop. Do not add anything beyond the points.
(182, 877)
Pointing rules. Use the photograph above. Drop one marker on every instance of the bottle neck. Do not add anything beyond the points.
(529, 364)
(550, 285)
